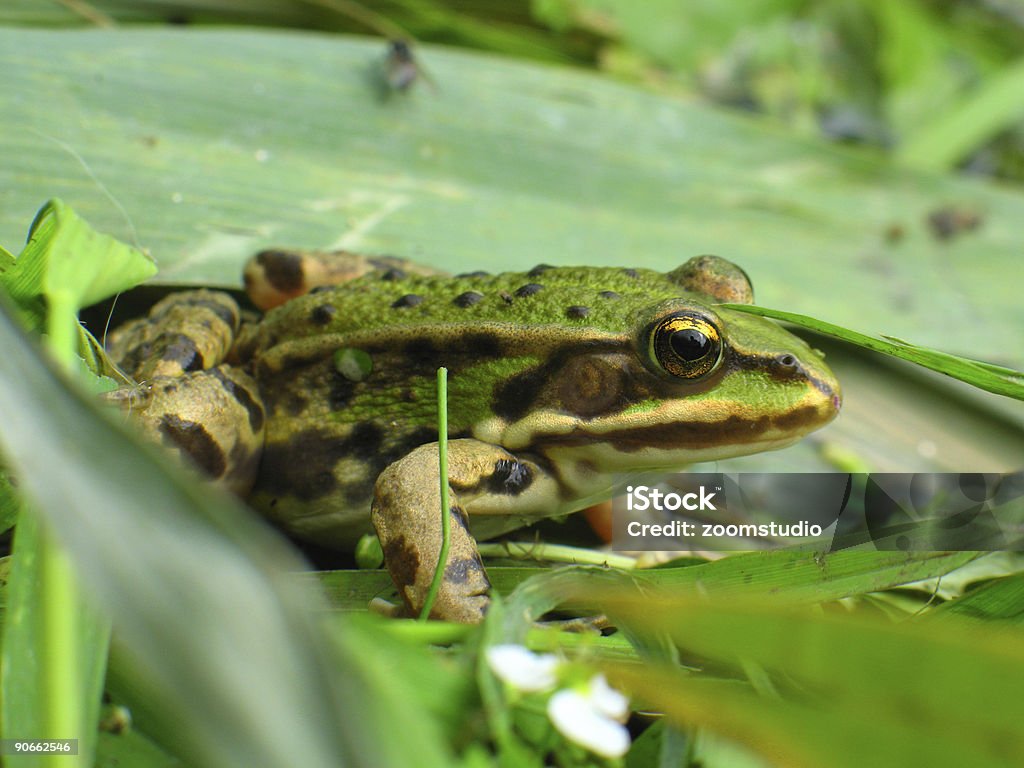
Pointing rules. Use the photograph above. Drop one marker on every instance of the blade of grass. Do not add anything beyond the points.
(992, 378)
(442, 454)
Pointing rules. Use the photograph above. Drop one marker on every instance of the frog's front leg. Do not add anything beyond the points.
(483, 479)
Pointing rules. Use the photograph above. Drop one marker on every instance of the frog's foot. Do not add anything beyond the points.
(482, 479)
(273, 277)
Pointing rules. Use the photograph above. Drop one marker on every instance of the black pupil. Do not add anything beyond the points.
(690, 345)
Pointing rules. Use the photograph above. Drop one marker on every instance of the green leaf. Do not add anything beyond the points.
(993, 378)
(220, 142)
(848, 683)
(997, 600)
(67, 265)
(29, 710)
(792, 577)
(227, 644)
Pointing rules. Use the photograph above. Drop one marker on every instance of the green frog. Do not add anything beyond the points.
(323, 413)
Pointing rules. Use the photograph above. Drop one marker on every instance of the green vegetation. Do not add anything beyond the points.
(199, 145)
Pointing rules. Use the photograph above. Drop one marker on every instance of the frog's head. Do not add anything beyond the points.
(688, 381)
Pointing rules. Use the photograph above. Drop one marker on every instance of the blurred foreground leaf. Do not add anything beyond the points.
(226, 644)
(841, 690)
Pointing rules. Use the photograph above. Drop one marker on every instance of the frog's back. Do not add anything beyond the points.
(581, 297)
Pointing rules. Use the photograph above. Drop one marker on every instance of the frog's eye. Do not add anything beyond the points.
(687, 345)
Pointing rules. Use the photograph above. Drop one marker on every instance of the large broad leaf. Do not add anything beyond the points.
(217, 143)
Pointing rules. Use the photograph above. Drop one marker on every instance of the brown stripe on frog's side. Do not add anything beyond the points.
(586, 378)
(733, 430)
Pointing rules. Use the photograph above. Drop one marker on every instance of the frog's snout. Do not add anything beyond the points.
(830, 400)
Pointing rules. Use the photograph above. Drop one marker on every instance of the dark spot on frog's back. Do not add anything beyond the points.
(341, 389)
(468, 299)
(323, 314)
(283, 269)
(529, 289)
(393, 274)
(480, 345)
(409, 300)
(193, 439)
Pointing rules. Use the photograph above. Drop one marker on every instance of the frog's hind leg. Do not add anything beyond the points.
(274, 276)
(483, 479)
(183, 332)
(186, 398)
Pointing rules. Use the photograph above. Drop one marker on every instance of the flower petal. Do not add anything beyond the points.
(607, 700)
(522, 668)
(575, 716)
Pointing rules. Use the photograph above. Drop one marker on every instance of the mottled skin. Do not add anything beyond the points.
(557, 378)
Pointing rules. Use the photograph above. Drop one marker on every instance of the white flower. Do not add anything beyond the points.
(522, 668)
(590, 717)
